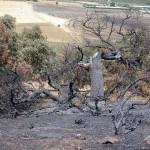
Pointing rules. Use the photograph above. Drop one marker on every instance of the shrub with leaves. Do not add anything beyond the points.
(35, 50)
(8, 21)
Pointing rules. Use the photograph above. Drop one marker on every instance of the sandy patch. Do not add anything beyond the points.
(50, 31)
(24, 13)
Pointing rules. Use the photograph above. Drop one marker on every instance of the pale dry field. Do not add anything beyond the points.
(24, 13)
(49, 16)
(27, 17)
(52, 33)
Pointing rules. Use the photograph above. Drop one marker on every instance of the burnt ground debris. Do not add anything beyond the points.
(62, 130)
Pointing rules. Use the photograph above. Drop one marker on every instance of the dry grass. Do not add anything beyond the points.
(53, 33)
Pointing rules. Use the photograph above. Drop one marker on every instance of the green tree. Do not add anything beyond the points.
(35, 50)
(37, 54)
(4, 50)
(14, 42)
(34, 33)
(8, 21)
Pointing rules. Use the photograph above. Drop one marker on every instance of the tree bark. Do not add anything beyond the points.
(96, 75)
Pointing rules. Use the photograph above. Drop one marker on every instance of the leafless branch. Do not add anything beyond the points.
(108, 92)
(51, 85)
(35, 94)
(134, 92)
(130, 85)
(97, 31)
(112, 28)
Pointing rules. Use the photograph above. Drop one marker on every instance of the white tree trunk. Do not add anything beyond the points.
(96, 75)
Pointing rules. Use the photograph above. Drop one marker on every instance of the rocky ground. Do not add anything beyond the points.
(72, 130)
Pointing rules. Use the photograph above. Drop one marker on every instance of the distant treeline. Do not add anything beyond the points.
(119, 2)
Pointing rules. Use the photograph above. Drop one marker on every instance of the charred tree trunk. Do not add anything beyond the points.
(96, 74)
(66, 92)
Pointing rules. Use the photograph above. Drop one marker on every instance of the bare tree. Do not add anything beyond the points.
(19, 93)
(106, 30)
(96, 24)
(122, 109)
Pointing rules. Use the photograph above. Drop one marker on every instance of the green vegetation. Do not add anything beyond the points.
(113, 4)
(119, 2)
(35, 49)
(8, 21)
(28, 48)
(89, 6)
(129, 2)
(125, 3)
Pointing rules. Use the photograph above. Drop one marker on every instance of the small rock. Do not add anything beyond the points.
(79, 121)
(80, 137)
(147, 139)
(78, 148)
(62, 113)
(109, 140)
(72, 110)
(28, 125)
(44, 111)
(31, 126)
(86, 109)
(101, 104)
(76, 101)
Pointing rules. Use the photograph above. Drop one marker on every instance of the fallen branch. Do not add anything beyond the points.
(35, 94)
